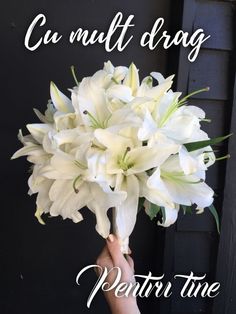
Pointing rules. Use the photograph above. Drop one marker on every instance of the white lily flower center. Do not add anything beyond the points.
(95, 123)
(124, 161)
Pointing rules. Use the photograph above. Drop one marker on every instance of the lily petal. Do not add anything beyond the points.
(66, 202)
(171, 215)
(157, 91)
(65, 164)
(160, 78)
(126, 212)
(28, 150)
(187, 162)
(99, 205)
(116, 143)
(121, 92)
(155, 193)
(145, 158)
(60, 101)
(149, 127)
(39, 130)
(132, 79)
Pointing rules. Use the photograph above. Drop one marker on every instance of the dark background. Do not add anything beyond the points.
(39, 264)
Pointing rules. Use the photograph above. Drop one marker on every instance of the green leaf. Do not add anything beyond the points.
(152, 210)
(141, 203)
(201, 144)
(187, 209)
(216, 216)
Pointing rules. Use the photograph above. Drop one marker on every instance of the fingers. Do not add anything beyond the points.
(111, 256)
(104, 260)
(117, 256)
(113, 246)
(130, 262)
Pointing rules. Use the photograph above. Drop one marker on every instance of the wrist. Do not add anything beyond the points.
(125, 305)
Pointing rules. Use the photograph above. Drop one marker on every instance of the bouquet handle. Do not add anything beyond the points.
(124, 243)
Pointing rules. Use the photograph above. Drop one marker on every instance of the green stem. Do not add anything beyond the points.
(74, 184)
(223, 157)
(206, 89)
(206, 120)
(72, 68)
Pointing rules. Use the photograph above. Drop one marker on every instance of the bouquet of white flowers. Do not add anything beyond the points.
(118, 143)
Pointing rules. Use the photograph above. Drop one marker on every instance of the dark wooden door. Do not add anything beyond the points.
(192, 244)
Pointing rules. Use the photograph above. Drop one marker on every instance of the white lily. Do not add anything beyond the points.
(90, 102)
(114, 141)
(197, 161)
(99, 114)
(183, 189)
(67, 202)
(64, 121)
(40, 185)
(75, 188)
(32, 149)
(183, 123)
(180, 125)
(108, 76)
(117, 73)
(125, 160)
(47, 117)
(153, 98)
(157, 92)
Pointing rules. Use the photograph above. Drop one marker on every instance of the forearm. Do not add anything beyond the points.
(127, 310)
